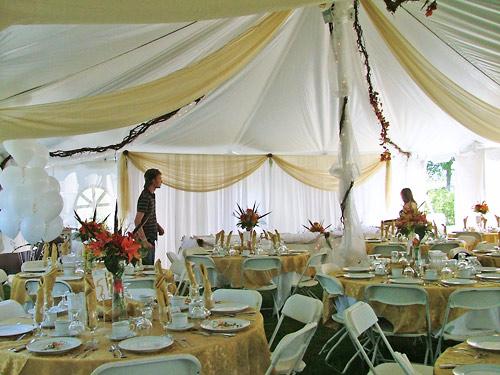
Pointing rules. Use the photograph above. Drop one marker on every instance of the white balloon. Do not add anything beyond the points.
(53, 185)
(41, 156)
(49, 205)
(9, 224)
(33, 228)
(37, 177)
(4, 199)
(53, 229)
(21, 201)
(22, 150)
(10, 177)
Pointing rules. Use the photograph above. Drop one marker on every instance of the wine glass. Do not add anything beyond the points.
(446, 272)
(165, 317)
(93, 322)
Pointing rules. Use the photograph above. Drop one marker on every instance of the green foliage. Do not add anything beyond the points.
(441, 172)
(443, 201)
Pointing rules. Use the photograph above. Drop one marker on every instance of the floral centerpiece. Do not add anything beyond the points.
(115, 249)
(318, 227)
(413, 222)
(249, 218)
(481, 208)
(90, 228)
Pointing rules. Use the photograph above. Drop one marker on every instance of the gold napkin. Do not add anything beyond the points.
(228, 240)
(445, 230)
(54, 255)
(254, 239)
(242, 240)
(222, 237)
(278, 236)
(168, 276)
(161, 288)
(498, 220)
(190, 273)
(49, 280)
(65, 248)
(434, 226)
(39, 303)
(217, 237)
(484, 222)
(90, 299)
(207, 288)
(45, 251)
(465, 222)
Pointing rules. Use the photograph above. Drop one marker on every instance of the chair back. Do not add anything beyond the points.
(31, 265)
(316, 261)
(475, 298)
(180, 364)
(453, 253)
(291, 348)
(59, 289)
(396, 295)
(477, 236)
(10, 309)
(194, 251)
(3, 277)
(261, 264)
(385, 250)
(142, 283)
(485, 246)
(303, 309)
(198, 260)
(330, 284)
(251, 298)
(173, 257)
(445, 247)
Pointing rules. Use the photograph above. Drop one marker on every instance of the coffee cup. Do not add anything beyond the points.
(62, 327)
(120, 329)
(179, 319)
(464, 273)
(397, 272)
(177, 301)
(69, 269)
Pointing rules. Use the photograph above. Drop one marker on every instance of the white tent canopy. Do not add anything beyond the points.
(285, 101)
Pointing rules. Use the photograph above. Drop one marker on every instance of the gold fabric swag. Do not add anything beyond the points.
(204, 173)
(470, 111)
(143, 102)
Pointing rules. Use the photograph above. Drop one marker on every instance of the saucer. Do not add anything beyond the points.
(430, 278)
(68, 334)
(119, 338)
(171, 327)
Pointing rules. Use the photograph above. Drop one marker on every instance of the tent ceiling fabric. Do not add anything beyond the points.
(284, 101)
(62, 12)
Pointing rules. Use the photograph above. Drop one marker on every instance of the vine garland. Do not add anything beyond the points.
(131, 136)
(393, 5)
(375, 101)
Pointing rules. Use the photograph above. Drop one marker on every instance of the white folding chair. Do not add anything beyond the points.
(359, 319)
(173, 257)
(262, 265)
(194, 251)
(470, 299)
(305, 282)
(402, 295)
(140, 283)
(179, 270)
(181, 364)
(60, 287)
(251, 298)
(485, 246)
(32, 265)
(209, 263)
(386, 250)
(445, 247)
(11, 309)
(333, 287)
(287, 357)
(300, 308)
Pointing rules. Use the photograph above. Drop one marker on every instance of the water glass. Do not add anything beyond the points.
(446, 272)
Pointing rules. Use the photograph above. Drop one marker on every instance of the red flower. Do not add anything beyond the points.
(130, 247)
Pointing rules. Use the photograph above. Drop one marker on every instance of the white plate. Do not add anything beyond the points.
(485, 342)
(15, 329)
(146, 344)
(65, 345)
(430, 279)
(229, 307)
(490, 269)
(176, 328)
(458, 281)
(119, 338)
(36, 269)
(29, 275)
(406, 280)
(489, 276)
(139, 294)
(225, 325)
(54, 334)
(359, 275)
(356, 269)
(69, 278)
(149, 272)
(477, 370)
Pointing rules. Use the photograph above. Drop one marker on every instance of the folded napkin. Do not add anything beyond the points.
(49, 280)
(278, 236)
(54, 255)
(190, 273)
(445, 230)
(161, 288)
(228, 240)
(65, 248)
(217, 237)
(90, 299)
(465, 222)
(435, 228)
(242, 240)
(254, 239)
(207, 288)
(222, 233)
(45, 251)
(39, 303)
(498, 220)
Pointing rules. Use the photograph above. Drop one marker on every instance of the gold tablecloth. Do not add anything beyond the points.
(456, 356)
(424, 248)
(18, 292)
(245, 353)
(230, 268)
(488, 260)
(403, 318)
(490, 237)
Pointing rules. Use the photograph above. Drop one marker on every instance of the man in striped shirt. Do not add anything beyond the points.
(146, 214)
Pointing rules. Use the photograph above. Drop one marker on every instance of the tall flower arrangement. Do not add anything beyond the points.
(481, 208)
(318, 227)
(413, 221)
(248, 219)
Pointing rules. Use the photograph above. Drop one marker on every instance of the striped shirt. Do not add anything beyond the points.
(147, 205)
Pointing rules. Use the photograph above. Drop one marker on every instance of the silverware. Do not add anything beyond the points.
(17, 349)
(208, 334)
(116, 351)
(451, 365)
(21, 337)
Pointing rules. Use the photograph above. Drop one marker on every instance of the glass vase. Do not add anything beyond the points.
(119, 307)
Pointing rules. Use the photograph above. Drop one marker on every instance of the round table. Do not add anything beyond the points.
(230, 268)
(245, 353)
(463, 354)
(490, 237)
(404, 318)
(488, 260)
(18, 291)
(370, 245)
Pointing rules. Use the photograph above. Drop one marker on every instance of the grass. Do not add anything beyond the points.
(414, 349)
